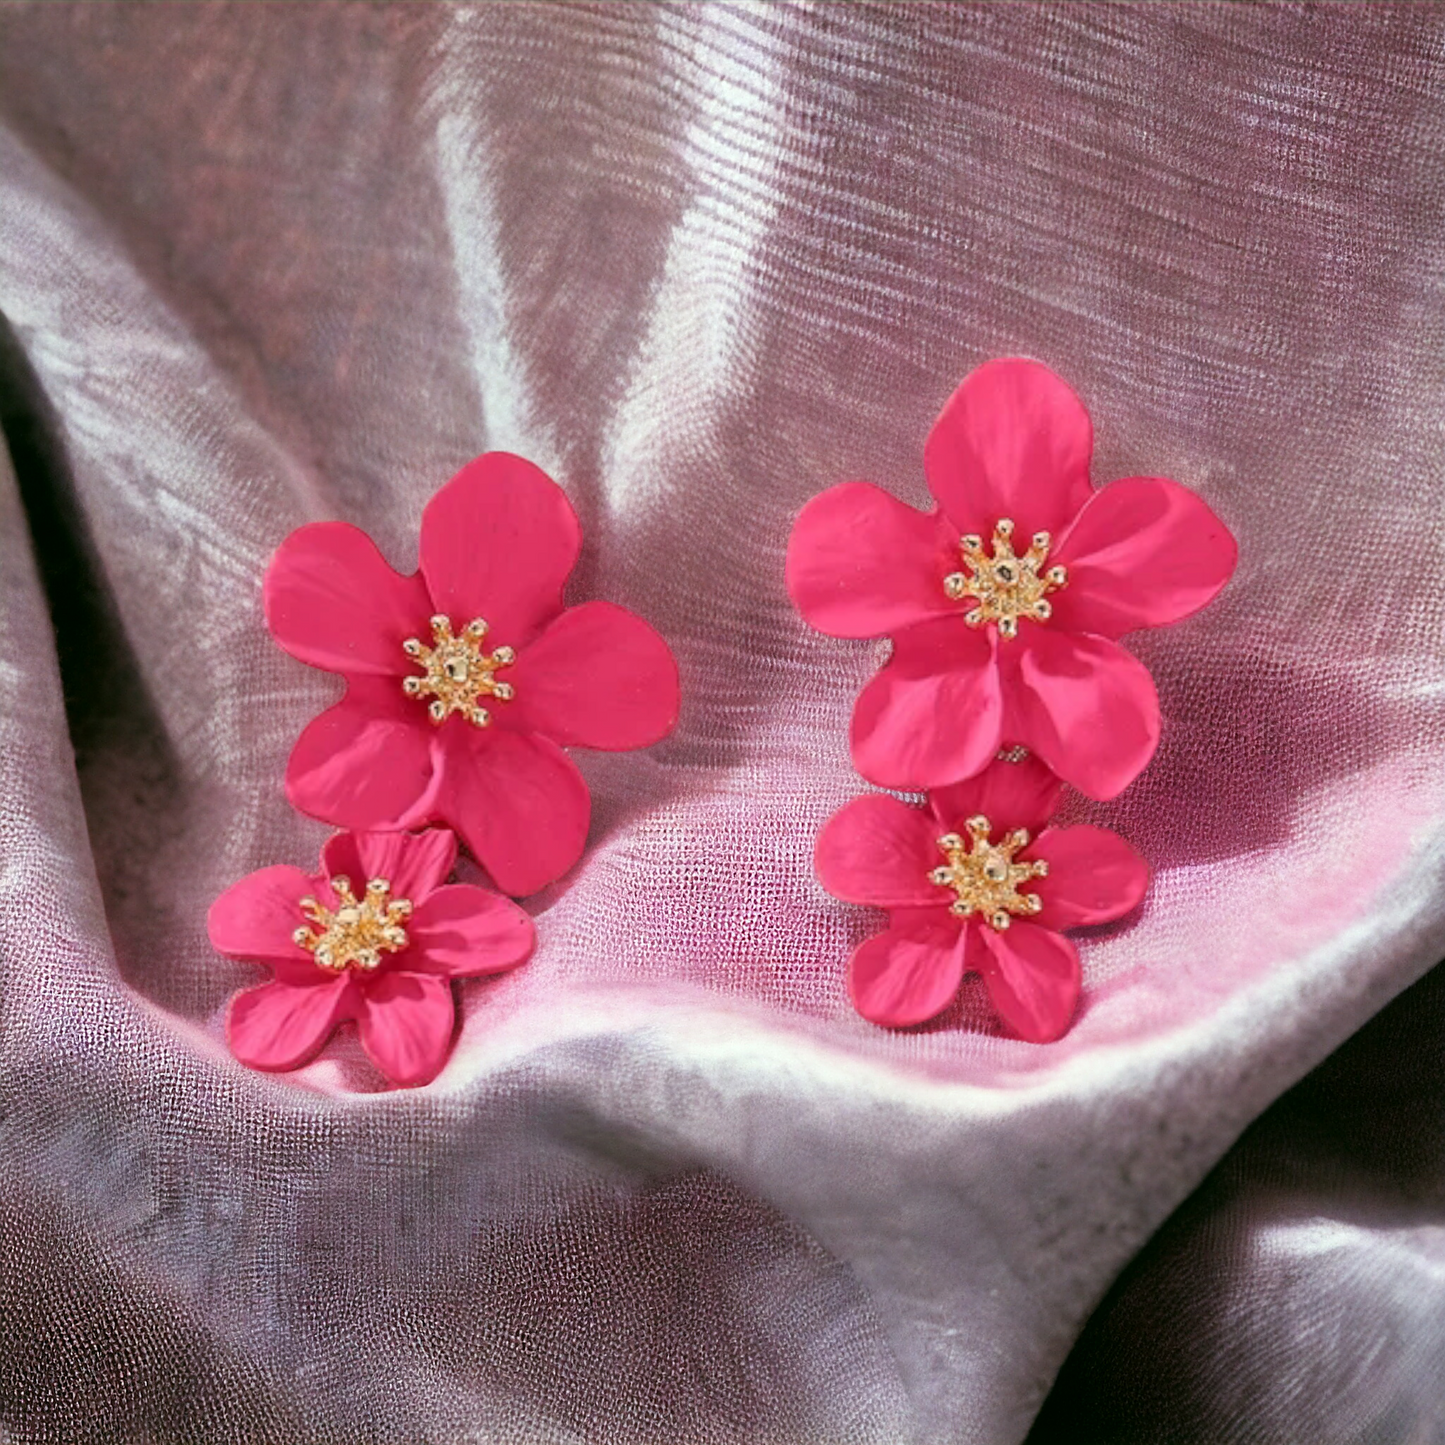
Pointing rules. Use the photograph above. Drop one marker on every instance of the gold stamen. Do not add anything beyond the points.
(457, 673)
(984, 877)
(1005, 586)
(359, 931)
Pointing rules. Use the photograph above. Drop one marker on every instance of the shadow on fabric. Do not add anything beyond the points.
(1299, 1293)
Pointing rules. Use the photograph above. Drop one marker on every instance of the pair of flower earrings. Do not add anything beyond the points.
(466, 682)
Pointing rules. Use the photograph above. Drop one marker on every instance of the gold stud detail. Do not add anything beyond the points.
(984, 877)
(1005, 586)
(457, 674)
(360, 930)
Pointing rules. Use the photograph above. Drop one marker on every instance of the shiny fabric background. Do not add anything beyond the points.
(264, 264)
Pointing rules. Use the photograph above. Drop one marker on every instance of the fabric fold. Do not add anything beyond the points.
(270, 266)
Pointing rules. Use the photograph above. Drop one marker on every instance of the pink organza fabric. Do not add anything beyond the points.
(265, 265)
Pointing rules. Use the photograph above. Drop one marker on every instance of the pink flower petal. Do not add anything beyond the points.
(498, 542)
(406, 1022)
(878, 850)
(1009, 795)
(907, 975)
(1143, 552)
(415, 864)
(1012, 441)
(461, 931)
(332, 601)
(1032, 976)
(255, 918)
(1084, 705)
(281, 1026)
(597, 677)
(517, 800)
(861, 564)
(934, 713)
(366, 762)
(1094, 877)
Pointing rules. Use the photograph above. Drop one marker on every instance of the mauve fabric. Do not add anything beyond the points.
(267, 264)
(1297, 1294)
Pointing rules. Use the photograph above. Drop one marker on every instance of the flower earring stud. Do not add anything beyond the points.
(987, 642)
(467, 681)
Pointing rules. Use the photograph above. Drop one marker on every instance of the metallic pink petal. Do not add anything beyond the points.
(597, 677)
(415, 864)
(1013, 441)
(907, 975)
(1084, 705)
(934, 713)
(1143, 552)
(1094, 877)
(460, 931)
(406, 1022)
(1032, 976)
(878, 850)
(332, 601)
(517, 800)
(365, 763)
(498, 542)
(281, 1026)
(861, 564)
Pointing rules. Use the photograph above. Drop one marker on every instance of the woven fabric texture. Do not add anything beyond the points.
(261, 265)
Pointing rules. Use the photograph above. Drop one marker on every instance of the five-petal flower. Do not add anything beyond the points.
(466, 680)
(1004, 604)
(377, 937)
(976, 882)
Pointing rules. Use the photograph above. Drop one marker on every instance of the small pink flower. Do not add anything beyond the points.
(973, 885)
(465, 681)
(1004, 603)
(377, 937)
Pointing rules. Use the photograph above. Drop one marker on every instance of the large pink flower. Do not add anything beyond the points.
(466, 680)
(1005, 602)
(973, 885)
(376, 937)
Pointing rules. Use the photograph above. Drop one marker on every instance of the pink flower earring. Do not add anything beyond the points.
(977, 882)
(376, 938)
(1004, 606)
(465, 683)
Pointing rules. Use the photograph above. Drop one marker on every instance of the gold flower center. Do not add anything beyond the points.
(457, 674)
(983, 875)
(359, 931)
(1005, 587)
